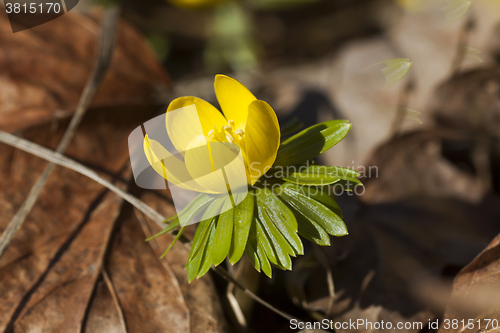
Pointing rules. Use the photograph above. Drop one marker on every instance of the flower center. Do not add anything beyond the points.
(228, 133)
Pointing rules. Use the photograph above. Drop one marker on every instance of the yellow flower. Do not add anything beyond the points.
(249, 126)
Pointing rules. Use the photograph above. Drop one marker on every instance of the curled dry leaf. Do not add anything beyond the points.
(434, 163)
(44, 69)
(469, 101)
(476, 293)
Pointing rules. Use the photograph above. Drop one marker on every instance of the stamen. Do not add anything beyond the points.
(229, 138)
(228, 128)
(231, 123)
(239, 132)
(211, 133)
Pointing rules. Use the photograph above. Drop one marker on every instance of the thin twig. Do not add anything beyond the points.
(64, 161)
(106, 45)
(223, 273)
(233, 302)
(236, 271)
(323, 259)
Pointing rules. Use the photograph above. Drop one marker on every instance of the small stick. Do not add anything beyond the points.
(224, 274)
(58, 159)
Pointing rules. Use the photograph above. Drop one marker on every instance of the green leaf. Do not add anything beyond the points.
(195, 259)
(281, 247)
(175, 224)
(395, 70)
(290, 127)
(317, 193)
(243, 215)
(231, 43)
(206, 262)
(195, 207)
(203, 227)
(319, 175)
(455, 10)
(312, 231)
(311, 142)
(193, 266)
(264, 243)
(471, 53)
(281, 216)
(343, 173)
(191, 210)
(223, 233)
(316, 211)
(243, 212)
(347, 184)
(171, 218)
(264, 262)
(251, 247)
(179, 234)
(409, 113)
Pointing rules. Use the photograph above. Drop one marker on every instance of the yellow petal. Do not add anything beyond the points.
(234, 99)
(169, 166)
(262, 138)
(218, 167)
(189, 117)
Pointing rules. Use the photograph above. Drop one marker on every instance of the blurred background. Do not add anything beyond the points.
(422, 243)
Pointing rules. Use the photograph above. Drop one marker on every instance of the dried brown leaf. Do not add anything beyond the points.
(149, 294)
(469, 101)
(103, 314)
(54, 263)
(205, 314)
(44, 69)
(427, 163)
(476, 293)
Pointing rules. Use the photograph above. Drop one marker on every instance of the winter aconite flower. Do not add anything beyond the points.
(287, 196)
(247, 122)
